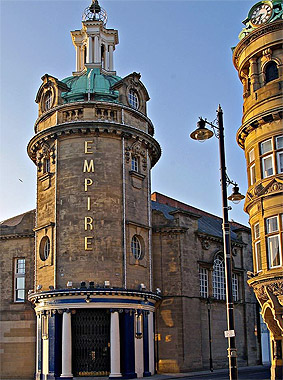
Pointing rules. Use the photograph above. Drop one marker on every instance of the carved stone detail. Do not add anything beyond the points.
(136, 150)
(44, 152)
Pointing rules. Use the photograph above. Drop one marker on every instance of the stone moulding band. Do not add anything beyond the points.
(122, 294)
(98, 127)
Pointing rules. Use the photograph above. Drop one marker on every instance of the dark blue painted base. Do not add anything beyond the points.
(146, 374)
(132, 375)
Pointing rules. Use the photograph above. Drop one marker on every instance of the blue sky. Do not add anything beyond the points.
(182, 50)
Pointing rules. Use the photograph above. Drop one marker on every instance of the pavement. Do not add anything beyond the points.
(245, 373)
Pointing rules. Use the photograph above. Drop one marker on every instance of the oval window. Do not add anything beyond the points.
(44, 248)
(137, 248)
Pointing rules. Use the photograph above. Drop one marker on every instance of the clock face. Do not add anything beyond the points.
(261, 13)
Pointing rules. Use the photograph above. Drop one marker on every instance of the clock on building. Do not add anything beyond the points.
(261, 13)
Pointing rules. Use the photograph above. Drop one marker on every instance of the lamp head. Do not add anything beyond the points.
(201, 133)
(236, 196)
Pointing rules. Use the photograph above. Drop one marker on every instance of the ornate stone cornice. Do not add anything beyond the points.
(205, 239)
(82, 127)
(253, 36)
(255, 122)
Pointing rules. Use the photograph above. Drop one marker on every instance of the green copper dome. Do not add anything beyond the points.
(91, 85)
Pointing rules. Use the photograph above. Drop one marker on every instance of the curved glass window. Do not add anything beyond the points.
(44, 248)
(271, 72)
(133, 99)
(136, 247)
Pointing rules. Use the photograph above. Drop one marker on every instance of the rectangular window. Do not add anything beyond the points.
(203, 279)
(279, 142)
(273, 248)
(19, 280)
(267, 166)
(135, 164)
(251, 156)
(266, 146)
(258, 257)
(271, 224)
(256, 231)
(235, 287)
(252, 174)
(280, 162)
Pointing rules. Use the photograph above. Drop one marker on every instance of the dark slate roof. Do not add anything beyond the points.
(207, 224)
(164, 209)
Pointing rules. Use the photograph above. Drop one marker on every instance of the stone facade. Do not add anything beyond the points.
(186, 240)
(18, 333)
(258, 59)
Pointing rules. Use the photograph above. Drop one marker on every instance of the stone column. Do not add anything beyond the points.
(96, 49)
(38, 346)
(115, 369)
(151, 343)
(67, 345)
(89, 50)
(110, 58)
(254, 74)
(78, 49)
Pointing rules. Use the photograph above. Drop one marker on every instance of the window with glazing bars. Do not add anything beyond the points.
(218, 278)
(19, 280)
(203, 282)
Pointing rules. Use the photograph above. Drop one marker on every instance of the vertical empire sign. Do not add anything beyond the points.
(88, 167)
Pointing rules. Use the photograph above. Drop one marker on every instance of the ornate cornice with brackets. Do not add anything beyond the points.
(98, 128)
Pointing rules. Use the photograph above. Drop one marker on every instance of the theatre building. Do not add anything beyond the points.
(103, 278)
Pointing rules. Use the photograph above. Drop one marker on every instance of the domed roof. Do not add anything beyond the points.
(91, 82)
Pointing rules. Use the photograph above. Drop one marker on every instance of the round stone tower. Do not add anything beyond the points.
(258, 58)
(94, 150)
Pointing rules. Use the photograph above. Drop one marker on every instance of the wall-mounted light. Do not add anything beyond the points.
(39, 287)
(91, 284)
(142, 287)
(106, 284)
(83, 285)
(158, 291)
(69, 284)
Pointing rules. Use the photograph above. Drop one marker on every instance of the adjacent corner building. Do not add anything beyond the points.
(258, 58)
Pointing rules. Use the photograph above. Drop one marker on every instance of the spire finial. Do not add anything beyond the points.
(95, 7)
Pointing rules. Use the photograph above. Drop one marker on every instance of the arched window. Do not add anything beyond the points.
(48, 100)
(133, 99)
(271, 71)
(218, 278)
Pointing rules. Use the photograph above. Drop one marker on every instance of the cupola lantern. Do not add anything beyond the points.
(94, 43)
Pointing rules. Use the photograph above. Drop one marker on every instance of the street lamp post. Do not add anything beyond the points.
(201, 134)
